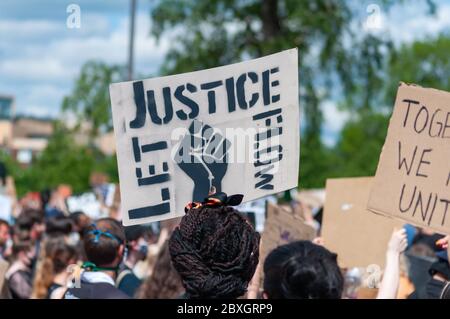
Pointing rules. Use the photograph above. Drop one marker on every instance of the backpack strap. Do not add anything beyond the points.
(121, 275)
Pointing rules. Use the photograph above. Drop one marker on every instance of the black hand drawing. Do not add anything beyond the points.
(202, 155)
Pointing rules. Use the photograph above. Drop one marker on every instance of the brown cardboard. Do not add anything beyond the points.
(358, 236)
(283, 226)
(420, 134)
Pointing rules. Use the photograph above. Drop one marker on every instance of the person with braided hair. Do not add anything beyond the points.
(215, 249)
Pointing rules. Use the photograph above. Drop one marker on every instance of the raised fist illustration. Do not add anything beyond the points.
(202, 155)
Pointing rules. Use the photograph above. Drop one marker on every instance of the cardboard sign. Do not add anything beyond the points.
(234, 127)
(413, 175)
(358, 236)
(282, 227)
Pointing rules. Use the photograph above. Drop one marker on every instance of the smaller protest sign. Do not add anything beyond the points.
(358, 236)
(283, 226)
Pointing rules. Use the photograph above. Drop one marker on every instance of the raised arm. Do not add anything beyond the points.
(391, 277)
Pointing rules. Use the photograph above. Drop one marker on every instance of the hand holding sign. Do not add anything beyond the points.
(397, 243)
(202, 155)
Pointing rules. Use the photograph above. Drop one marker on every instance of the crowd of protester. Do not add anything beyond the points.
(48, 252)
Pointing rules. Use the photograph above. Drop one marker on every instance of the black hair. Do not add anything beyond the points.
(21, 246)
(28, 218)
(81, 222)
(135, 232)
(215, 251)
(58, 226)
(75, 216)
(102, 249)
(302, 270)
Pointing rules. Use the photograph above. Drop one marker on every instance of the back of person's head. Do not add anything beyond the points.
(215, 251)
(302, 270)
(80, 221)
(56, 257)
(29, 225)
(133, 233)
(104, 242)
(137, 241)
(164, 282)
(77, 217)
(29, 217)
(58, 226)
(23, 249)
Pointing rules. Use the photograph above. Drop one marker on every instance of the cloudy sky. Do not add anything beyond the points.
(40, 56)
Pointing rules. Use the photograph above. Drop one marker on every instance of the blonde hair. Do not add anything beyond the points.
(56, 256)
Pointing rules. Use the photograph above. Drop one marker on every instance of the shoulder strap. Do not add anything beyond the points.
(121, 275)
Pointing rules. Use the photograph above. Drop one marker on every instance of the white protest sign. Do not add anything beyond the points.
(234, 127)
(86, 203)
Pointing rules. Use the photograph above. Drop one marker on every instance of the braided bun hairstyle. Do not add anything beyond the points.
(215, 251)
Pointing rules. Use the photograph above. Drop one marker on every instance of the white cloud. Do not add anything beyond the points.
(407, 24)
(404, 22)
(48, 67)
(40, 57)
(36, 69)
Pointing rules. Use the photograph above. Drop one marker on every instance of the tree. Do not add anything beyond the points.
(333, 55)
(89, 100)
(359, 146)
(62, 162)
(425, 63)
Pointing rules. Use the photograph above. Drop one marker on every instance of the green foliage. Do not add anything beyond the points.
(317, 163)
(362, 69)
(62, 162)
(426, 63)
(89, 100)
(359, 147)
(334, 59)
(218, 32)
